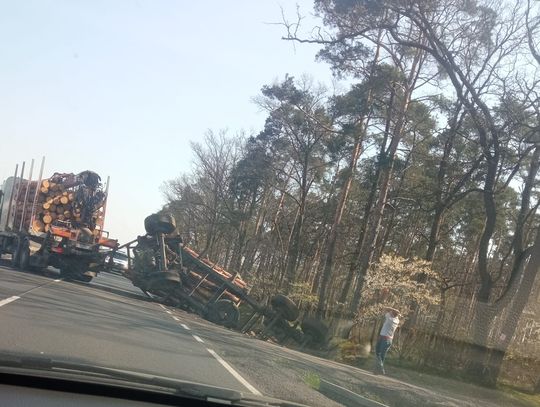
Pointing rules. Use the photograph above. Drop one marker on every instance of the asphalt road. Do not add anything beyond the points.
(108, 322)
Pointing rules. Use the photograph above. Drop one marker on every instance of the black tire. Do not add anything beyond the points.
(16, 254)
(315, 330)
(83, 278)
(159, 223)
(65, 274)
(225, 313)
(285, 306)
(24, 259)
(75, 271)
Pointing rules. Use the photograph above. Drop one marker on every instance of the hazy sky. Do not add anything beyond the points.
(122, 87)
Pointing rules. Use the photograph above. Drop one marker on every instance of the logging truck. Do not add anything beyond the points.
(55, 221)
(170, 272)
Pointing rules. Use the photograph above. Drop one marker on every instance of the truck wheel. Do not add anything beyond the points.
(84, 278)
(16, 254)
(225, 313)
(159, 223)
(24, 260)
(284, 305)
(315, 330)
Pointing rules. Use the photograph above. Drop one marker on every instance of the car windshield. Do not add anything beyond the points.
(326, 202)
(121, 256)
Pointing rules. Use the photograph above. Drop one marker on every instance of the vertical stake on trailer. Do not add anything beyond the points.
(105, 204)
(38, 186)
(21, 179)
(11, 196)
(26, 195)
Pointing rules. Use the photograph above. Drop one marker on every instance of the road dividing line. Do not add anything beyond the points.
(8, 300)
(197, 338)
(57, 280)
(168, 312)
(185, 327)
(162, 306)
(236, 375)
(176, 319)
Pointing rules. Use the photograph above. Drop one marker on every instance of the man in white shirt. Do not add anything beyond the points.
(391, 322)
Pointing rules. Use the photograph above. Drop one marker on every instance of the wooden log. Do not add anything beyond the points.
(64, 200)
(60, 209)
(45, 183)
(56, 200)
(67, 214)
(38, 225)
(208, 286)
(47, 219)
(44, 190)
(47, 205)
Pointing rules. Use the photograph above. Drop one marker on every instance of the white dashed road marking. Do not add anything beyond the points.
(231, 370)
(228, 367)
(197, 338)
(8, 300)
(16, 297)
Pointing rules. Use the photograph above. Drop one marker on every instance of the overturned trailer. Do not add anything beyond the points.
(173, 274)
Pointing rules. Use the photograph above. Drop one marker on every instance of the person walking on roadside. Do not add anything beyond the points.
(391, 322)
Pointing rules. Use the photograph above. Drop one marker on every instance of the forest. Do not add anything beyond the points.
(414, 184)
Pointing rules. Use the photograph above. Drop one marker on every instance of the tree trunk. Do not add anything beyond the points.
(332, 238)
(484, 312)
(387, 163)
(434, 233)
(518, 299)
(360, 242)
(294, 243)
(387, 166)
(344, 194)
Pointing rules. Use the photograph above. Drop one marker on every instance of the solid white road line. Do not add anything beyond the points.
(198, 339)
(162, 306)
(185, 327)
(8, 300)
(176, 319)
(168, 312)
(234, 373)
(57, 280)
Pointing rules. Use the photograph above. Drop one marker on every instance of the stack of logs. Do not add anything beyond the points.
(55, 202)
(204, 287)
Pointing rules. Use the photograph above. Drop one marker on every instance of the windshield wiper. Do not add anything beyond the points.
(172, 386)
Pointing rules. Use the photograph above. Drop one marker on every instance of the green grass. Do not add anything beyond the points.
(532, 400)
(313, 380)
